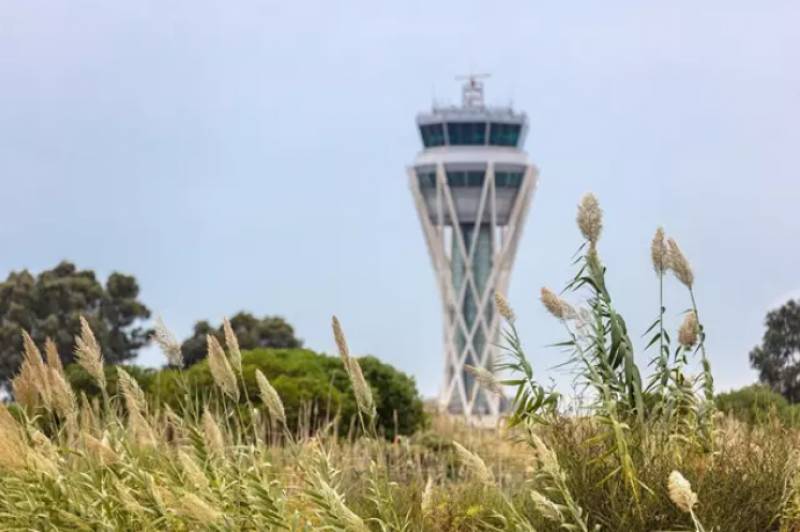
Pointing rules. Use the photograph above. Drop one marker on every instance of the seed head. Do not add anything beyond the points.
(659, 253)
(142, 431)
(63, 397)
(25, 387)
(13, 448)
(134, 397)
(88, 419)
(220, 368)
(335, 504)
(486, 379)
(194, 474)
(212, 436)
(590, 218)
(474, 464)
(341, 342)
(193, 507)
(232, 343)
(679, 265)
(270, 398)
(503, 308)
(547, 458)
(88, 354)
(680, 492)
(556, 306)
(169, 345)
(687, 334)
(100, 450)
(546, 507)
(361, 389)
(34, 369)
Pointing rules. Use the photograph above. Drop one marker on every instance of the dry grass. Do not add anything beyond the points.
(635, 458)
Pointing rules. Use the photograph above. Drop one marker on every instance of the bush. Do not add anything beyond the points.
(756, 404)
(314, 388)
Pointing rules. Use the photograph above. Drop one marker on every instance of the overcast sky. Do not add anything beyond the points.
(251, 155)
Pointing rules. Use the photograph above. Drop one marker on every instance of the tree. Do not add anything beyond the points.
(252, 332)
(777, 359)
(50, 305)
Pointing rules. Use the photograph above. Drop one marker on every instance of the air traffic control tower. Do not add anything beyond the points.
(472, 185)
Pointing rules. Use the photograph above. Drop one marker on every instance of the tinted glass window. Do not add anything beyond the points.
(504, 134)
(466, 133)
(472, 178)
(432, 135)
(507, 179)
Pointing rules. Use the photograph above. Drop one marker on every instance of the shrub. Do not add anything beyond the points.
(757, 404)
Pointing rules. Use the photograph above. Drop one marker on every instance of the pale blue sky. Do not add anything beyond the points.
(250, 155)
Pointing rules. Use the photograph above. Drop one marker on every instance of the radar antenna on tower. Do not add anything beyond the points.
(472, 90)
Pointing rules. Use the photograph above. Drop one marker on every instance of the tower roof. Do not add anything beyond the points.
(473, 123)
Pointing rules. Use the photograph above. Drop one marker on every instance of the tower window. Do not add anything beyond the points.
(504, 134)
(469, 178)
(507, 179)
(432, 135)
(466, 133)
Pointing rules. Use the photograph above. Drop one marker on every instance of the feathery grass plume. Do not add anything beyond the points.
(546, 507)
(590, 218)
(220, 368)
(42, 443)
(100, 450)
(169, 345)
(88, 354)
(63, 398)
(38, 462)
(503, 308)
(270, 398)
(659, 253)
(196, 476)
(485, 378)
(341, 342)
(133, 395)
(679, 264)
(687, 334)
(88, 421)
(232, 343)
(334, 505)
(361, 389)
(13, 447)
(474, 464)
(36, 369)
(53, 358)
(547, 458)
(193, 507)
(142, 431)
(25, 387)
(680, 492)
(212, 435)
(129, 502)
(555, 305)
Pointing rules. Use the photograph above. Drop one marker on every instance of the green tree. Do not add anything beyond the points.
(252, 332)
(777, 359)
(51, 303)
